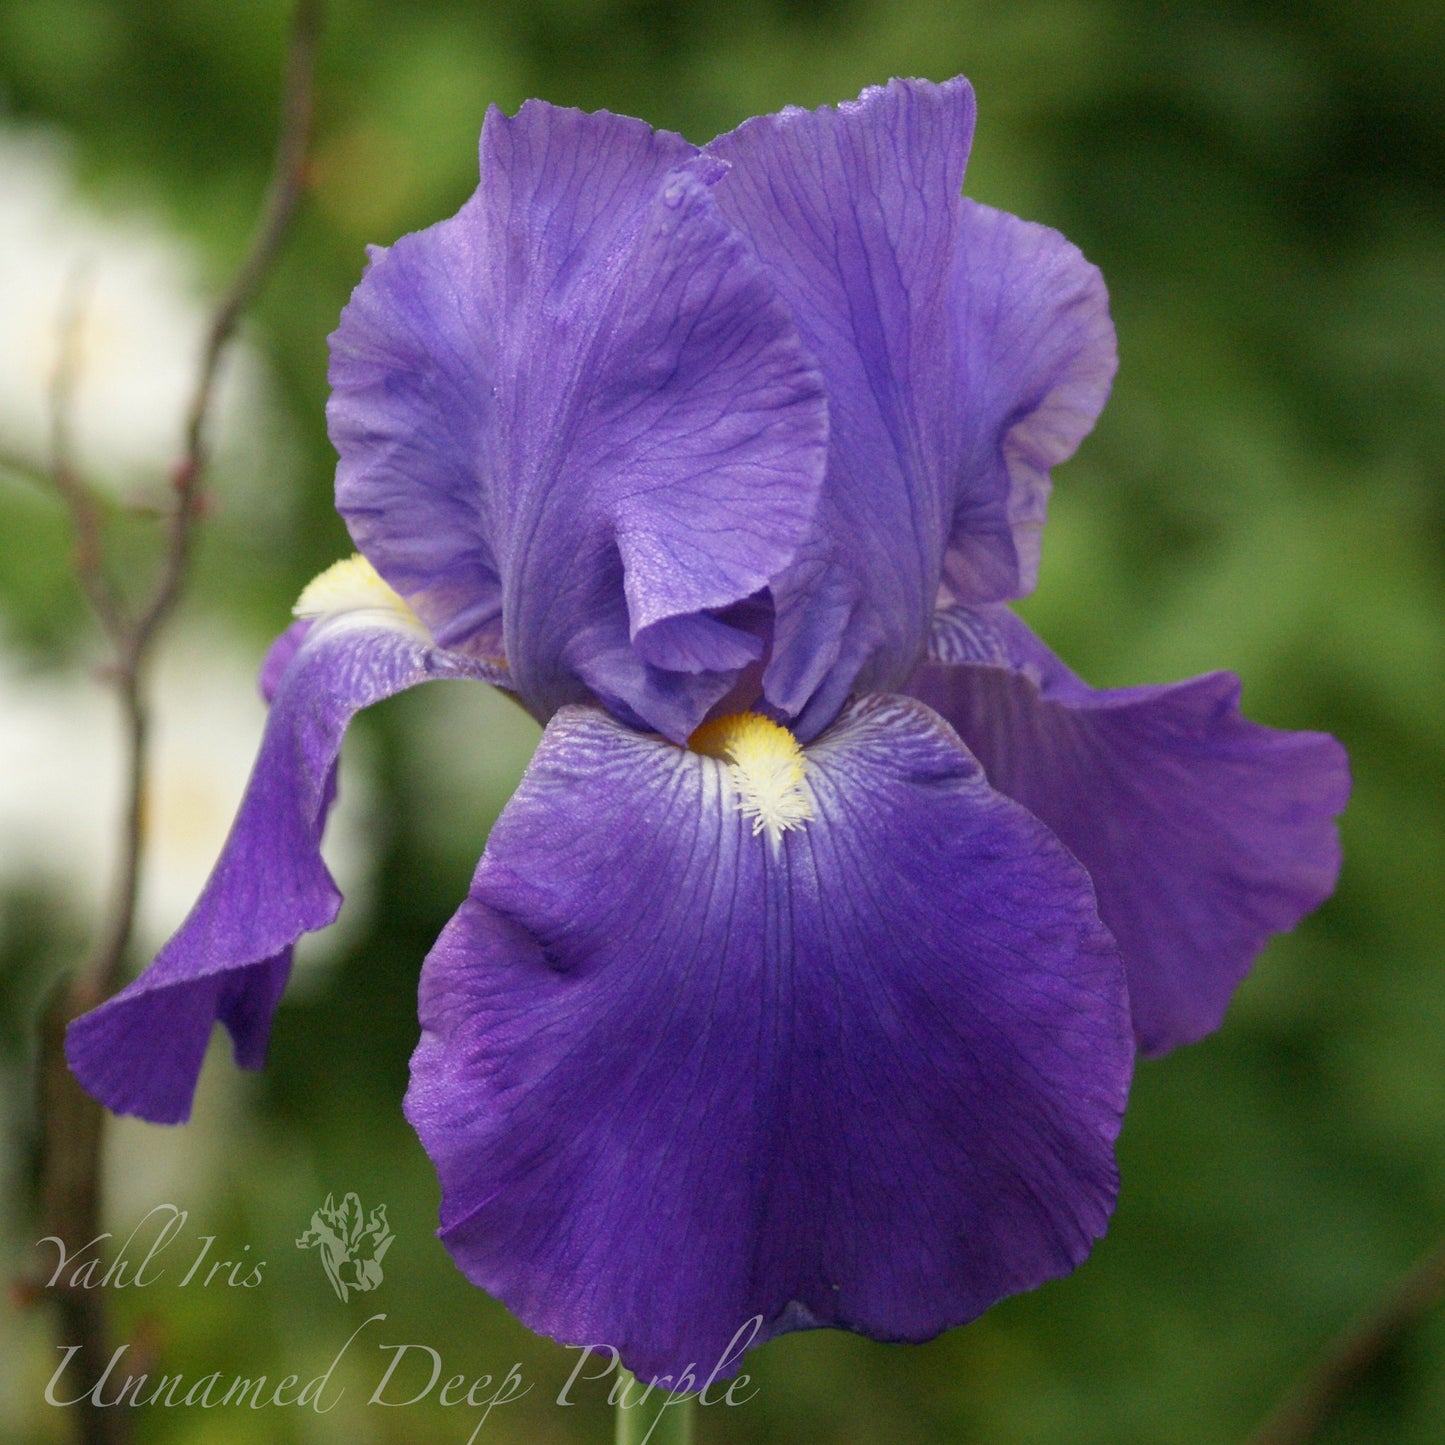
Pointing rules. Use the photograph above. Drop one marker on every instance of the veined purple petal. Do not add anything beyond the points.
(141, 1051)
(965, 352)
(1204, 833)
(576, 423)
(675, 1074)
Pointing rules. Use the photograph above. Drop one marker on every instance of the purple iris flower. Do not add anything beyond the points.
(801, 979)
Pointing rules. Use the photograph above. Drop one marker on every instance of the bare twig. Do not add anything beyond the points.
(1348, 1357)
(287, 182)
(288, 177)
(71, 1122)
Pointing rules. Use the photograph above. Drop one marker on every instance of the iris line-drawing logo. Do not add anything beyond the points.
(351, 1245)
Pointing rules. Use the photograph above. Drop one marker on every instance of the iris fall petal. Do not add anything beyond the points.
(141, 1051)
(1204, 832)
(675, 1075)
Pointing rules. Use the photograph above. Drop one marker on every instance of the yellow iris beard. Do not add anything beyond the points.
(767, 769)
(350, 585)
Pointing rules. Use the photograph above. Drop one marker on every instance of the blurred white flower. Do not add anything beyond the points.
(140, 316)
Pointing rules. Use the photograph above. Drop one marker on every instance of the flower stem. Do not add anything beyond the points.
(647, 1416)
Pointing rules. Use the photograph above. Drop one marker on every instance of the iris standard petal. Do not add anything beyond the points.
(964, 351)
(141, 1051)
(1204, 833)
(575, 422)
(679, 1069)
(1036, 356)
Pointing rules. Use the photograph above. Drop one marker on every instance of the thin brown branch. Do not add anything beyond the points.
(72, 1126)
(103, 970)
(288, 178)
(71, 1122)
(284, 192)
(1349, 1357)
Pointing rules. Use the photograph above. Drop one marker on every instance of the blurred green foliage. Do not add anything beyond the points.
(1263, 185)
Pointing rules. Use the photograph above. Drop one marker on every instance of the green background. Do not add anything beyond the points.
(1263, 186)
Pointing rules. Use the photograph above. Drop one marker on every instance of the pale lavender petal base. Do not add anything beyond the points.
(141, 1052)
(1204, 833)
(673, 1079)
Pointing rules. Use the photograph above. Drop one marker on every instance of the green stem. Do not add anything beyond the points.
(652, 1415)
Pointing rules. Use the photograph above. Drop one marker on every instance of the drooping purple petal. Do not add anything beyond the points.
(141, 1052)
(675, 1075)
(1204, 833)
(576, 423)
(965, 352)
